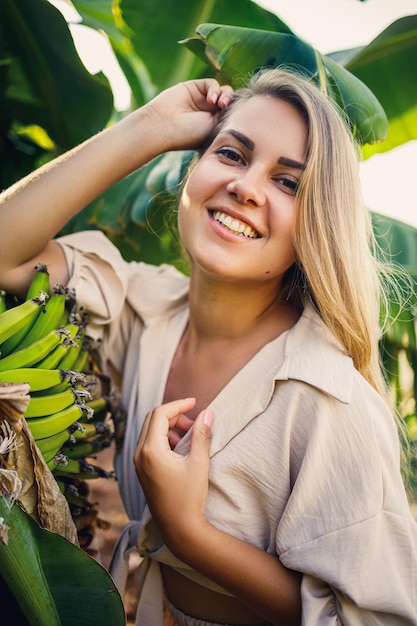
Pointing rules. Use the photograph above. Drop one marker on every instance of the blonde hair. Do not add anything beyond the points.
(336, 266)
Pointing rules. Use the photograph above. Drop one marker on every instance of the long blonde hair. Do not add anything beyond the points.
(335, 247)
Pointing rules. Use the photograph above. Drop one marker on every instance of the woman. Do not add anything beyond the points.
(283, 504)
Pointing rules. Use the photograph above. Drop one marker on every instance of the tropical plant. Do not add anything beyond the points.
(49, 103)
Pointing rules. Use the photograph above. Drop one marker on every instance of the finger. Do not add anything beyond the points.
(182, 426)
(183, 423)
(201, 436)
(174, 437)
(213, 90)
(225, 97)
(144, 430)
(165, 417)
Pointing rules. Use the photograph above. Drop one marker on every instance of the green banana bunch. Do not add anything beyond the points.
(44, 342)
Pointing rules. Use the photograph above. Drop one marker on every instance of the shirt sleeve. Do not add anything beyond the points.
(119, 296)
(98, 273)
(100, 280)
(347, 525)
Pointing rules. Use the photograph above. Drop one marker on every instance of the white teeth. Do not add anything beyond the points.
(235, 225)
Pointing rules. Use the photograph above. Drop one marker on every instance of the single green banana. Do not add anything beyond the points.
(54, 358)
(87, 348)
(76, 379)
(39, 286)
(50, 446)
(46, 426)
(83, 449)
(44, 405)
(38, 379)
(49, 320)
(72, 355)
(12, 320)
(34, 353)
(99, 409)
(79, 468)
(3, 305)
(40, 282)
(81, 432)
(74, 497)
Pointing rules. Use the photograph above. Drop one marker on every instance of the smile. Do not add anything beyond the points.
(235, 226)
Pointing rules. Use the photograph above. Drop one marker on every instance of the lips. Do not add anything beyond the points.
(234, 225)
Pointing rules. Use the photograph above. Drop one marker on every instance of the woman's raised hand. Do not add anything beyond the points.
(186, 113)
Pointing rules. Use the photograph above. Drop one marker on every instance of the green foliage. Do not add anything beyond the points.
(48, 100)
(237, 52)
(52, 581)
(386, 65)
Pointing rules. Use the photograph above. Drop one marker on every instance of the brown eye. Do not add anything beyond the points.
(290, 184)
(230, 154)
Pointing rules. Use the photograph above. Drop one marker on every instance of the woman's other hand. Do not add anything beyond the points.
(175, 486)
(185, 114)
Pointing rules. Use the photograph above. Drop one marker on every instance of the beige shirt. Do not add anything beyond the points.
(304, 453)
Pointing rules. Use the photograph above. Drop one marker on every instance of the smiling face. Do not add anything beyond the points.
(239, 206)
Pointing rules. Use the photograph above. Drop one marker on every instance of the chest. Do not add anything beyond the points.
(202, 376)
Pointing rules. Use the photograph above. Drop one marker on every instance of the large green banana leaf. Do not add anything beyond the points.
(104, 16)
(236, 52)
(388, 66)
(46, 580)
(48, 100)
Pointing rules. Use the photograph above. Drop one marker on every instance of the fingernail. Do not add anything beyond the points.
(208, 417)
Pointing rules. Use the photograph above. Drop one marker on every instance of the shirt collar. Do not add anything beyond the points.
(313, 355)
(307, 352)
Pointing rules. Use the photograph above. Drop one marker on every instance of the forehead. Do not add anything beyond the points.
(267, 118)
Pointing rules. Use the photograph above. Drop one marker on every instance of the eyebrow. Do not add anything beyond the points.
(240, 137)
(251, 146)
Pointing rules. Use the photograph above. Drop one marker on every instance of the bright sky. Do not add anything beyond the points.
(388, 180)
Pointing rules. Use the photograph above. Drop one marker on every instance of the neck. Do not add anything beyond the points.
(224, 311)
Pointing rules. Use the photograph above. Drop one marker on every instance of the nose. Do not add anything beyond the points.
(248, 188)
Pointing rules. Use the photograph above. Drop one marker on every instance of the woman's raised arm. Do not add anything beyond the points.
(35, 209)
